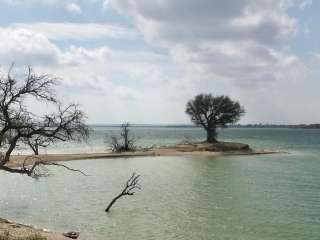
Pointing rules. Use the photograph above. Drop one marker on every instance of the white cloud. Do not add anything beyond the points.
(24, 46)
(103, 80)
(79, 55)
(243, 40)
(234, 47)
(29, 2)
(78, 31)
(73, 7)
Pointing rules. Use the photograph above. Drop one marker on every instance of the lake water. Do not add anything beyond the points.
(237, 197)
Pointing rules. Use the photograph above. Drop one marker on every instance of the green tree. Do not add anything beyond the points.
(211, 112)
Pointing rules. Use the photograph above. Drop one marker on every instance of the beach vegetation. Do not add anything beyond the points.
(125, 142)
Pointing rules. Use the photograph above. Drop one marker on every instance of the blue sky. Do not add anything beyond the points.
(142, 60)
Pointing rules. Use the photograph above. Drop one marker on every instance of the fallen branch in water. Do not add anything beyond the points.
(34, 166)
(128, 190)
(66, 167)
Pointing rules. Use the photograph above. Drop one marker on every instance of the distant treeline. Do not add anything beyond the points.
(303, 126)
(146, 125)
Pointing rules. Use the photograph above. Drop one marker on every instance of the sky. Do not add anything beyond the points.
(141, 61)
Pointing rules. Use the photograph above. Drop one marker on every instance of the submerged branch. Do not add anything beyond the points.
(66, 167)
(37, 168)
(131, 184)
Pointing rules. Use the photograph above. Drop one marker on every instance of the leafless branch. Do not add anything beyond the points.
(66, 167)
(129, 189)
(17, 124)
(35, 167)
(126, 142)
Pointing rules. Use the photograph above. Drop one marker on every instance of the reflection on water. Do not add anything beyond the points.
(244, 197)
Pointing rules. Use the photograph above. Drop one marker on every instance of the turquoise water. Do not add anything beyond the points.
(235, 197)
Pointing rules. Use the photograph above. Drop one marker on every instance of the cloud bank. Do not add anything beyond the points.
(177, 49)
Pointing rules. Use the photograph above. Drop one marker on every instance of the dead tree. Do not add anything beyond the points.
(129, 189)
(38, 141)
(18, 123)
(126, 142)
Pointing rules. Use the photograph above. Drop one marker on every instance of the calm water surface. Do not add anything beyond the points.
(243, 197)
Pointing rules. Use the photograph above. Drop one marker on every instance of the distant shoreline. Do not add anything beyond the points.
(287, 126)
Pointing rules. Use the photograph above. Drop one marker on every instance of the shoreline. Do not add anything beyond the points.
(22, 231)
(200, 149)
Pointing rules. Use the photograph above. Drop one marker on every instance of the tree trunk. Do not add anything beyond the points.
(12, 146)
(211, 135)
(36, 152)
(113, 201)
(129, 189)
(34, 148)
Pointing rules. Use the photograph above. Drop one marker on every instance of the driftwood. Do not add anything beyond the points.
(72, 235)
(129, 189)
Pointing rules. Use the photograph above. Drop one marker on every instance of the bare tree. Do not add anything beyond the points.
(18, 123)
(38, 141)
(129, 189)
(126, 142)
(211, 112)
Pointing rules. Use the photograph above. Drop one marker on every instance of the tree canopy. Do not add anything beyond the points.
(211, 112)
